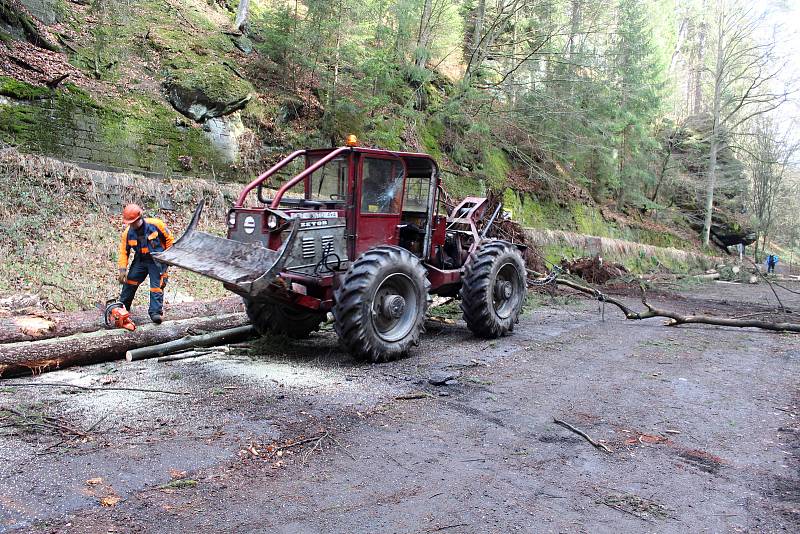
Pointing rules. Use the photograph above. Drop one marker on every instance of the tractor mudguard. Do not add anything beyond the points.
(246, 268)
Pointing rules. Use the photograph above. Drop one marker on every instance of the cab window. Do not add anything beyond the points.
(329, 182)
(417, 191)
(382, 186)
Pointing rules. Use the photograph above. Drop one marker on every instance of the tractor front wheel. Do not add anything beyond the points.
(269, 317)
(493, 289)
(381, 303)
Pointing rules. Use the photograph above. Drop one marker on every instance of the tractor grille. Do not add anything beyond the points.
(327, 244)
(313, 244)
(309, 247)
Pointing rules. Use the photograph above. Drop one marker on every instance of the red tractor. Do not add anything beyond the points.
(363, 236)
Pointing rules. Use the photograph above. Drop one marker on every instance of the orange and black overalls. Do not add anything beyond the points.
(151, 236)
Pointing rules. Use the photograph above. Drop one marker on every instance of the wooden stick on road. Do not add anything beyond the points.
(581, 433)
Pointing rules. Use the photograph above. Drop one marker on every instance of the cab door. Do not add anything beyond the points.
(379, 201)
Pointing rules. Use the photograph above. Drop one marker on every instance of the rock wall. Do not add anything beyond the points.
(45, 10)
(160, 141)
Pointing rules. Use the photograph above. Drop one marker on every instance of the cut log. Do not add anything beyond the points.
(707, 276)
(49, 325)
(231, 335)
(33, 357)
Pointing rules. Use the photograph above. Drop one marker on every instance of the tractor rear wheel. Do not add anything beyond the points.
(269, 317)
(493, 289)
(381, 303)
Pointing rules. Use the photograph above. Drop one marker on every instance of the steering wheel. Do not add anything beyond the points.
(334, 196)
(312, 203)
(260, 195)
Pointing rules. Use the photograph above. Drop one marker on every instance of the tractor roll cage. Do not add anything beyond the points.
(312, 168)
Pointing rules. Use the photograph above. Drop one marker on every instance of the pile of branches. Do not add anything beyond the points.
(594, 269)
(31, 421)
(512, 231)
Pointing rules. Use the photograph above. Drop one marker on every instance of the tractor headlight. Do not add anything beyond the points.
(231, 219)
(272, 221)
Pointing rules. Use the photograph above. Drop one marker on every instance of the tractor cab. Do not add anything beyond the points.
(388, 197)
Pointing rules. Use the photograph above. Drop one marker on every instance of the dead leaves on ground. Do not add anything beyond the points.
(104, 493)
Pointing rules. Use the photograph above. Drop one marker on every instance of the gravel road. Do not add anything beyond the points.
(703, 425)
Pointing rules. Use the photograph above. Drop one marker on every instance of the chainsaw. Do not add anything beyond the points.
(116, 316)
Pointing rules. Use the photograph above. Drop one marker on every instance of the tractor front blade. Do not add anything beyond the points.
(245, 268)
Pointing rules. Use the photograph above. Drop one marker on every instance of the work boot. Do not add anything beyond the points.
(156, 318)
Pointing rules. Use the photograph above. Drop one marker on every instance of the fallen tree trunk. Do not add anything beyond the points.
(33, 357)
(32, 327)
(674, 317)
(231, 335)
(707, 276)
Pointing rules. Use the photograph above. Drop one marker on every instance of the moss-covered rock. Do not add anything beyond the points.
(18, 20)
(207, 92)
(22, 91)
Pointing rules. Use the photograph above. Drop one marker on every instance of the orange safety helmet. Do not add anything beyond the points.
(131, 213)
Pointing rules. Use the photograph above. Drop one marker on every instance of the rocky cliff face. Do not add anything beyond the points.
(730, 220)
(138, 86)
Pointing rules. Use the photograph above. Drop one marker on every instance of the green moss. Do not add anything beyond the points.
(589, 220)
(45, 121)
(386, 133)
(128, 133)
(5, 38)
(79, 98)
(429, 134)
(22, 91)
(16, 121)
(459, 187)
(513, 204)
(181, 483)
(553, 254)
(142, 132)
(215, 80)
(495, 167)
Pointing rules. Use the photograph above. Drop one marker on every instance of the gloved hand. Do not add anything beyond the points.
(122, 276)
(164, 278)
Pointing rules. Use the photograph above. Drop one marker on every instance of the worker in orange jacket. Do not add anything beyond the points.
(144, 236)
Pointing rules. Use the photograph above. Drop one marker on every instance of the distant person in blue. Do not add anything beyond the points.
(772, 262)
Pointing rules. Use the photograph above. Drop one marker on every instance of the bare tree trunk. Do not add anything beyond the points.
(755, 248)
(575, 23)
(241, 15)
(477, 32)
(715, 132)
(664, 166)
(699, 67)
(423, 36)
(211, 339)
(712, 179)
(676, 318)
(511, 88)
(31, 328)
